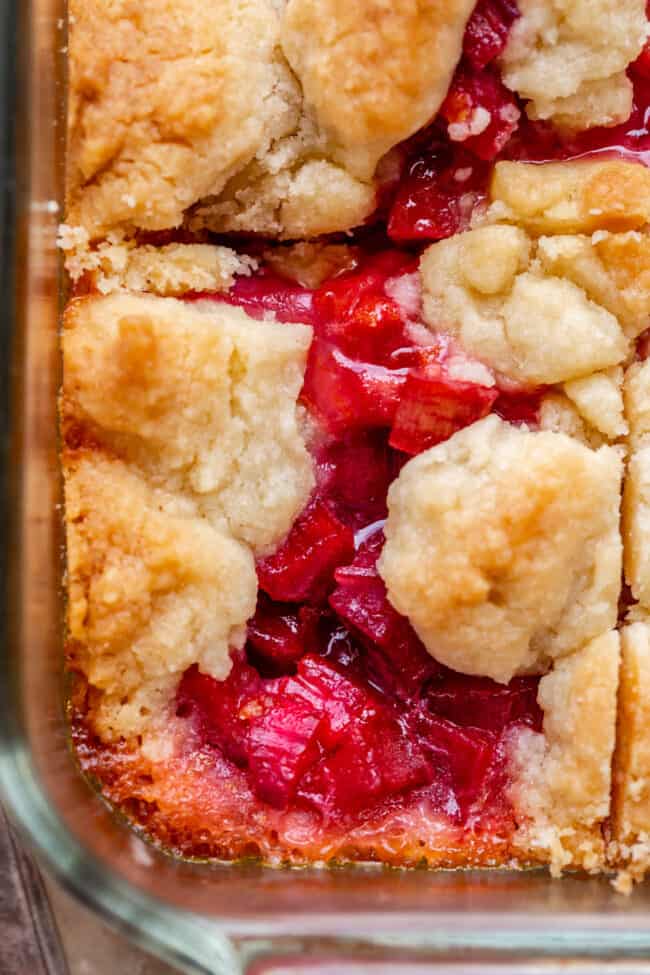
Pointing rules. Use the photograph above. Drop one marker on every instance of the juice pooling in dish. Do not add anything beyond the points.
(355, 427)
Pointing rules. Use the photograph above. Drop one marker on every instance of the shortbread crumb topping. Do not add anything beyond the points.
(568, 58)
(201, 399)
(562, 779)
(502, 547)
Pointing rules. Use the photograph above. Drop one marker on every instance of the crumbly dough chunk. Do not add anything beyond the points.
(631, 801)
(636, 524)
(637, 402)
(168, 98)
(202, 399)
(636, 494)
(612, 269)
(119, 264)
(480, 287)
(373, 71)
(569, 58)
(562, 778)
(577, 197)
(558, 414)
(271, 116)
(149, 593)
(503, 547)
(599, 400)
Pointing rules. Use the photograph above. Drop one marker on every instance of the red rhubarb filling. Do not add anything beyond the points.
(335, 707)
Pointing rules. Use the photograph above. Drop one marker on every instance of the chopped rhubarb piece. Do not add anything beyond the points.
(263, 294)
(480, 112)
(395, 658)
(280, 636)
(480, 703)
(487, 31)
(220, 706)
(355, 473)
(469, 753)
(433, 407)
(303, 567)
(438, 195)
(518, 407)
(340, 698)
(282, 744)
(357, 315)
(347, 394)
(377, 760)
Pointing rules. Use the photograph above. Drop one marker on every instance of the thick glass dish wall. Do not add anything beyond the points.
(205, 918)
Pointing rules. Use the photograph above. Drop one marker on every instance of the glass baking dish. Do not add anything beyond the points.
(219, 919)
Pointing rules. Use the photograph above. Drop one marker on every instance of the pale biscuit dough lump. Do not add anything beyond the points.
(562, 778)
(202, 399)
(503, 548)
(149, 593)
(247, 115)
(568, 57)
(486, 289)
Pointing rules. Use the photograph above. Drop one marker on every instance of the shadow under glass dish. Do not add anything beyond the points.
(210, 918)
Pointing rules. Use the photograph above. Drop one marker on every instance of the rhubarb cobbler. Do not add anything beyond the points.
(356, 427)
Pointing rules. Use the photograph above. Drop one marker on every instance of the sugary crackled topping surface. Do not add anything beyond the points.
(273, 115)
(569, 58)
(200, 398)
(562, 778)
(631, 806)
(150, 593)
(184, 458)
(503, 548)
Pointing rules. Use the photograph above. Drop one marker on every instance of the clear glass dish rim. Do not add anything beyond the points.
(197, 942)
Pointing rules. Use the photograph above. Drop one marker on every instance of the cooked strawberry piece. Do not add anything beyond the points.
(281, 635)
(487, 30)
(519, 407)
(480, 703)
(347, 394)
(433, 407)
(219, 706)
(282, 744)
(480, 112)
(438, 194)
(265, 293)
(303, 567)
(355, 472)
